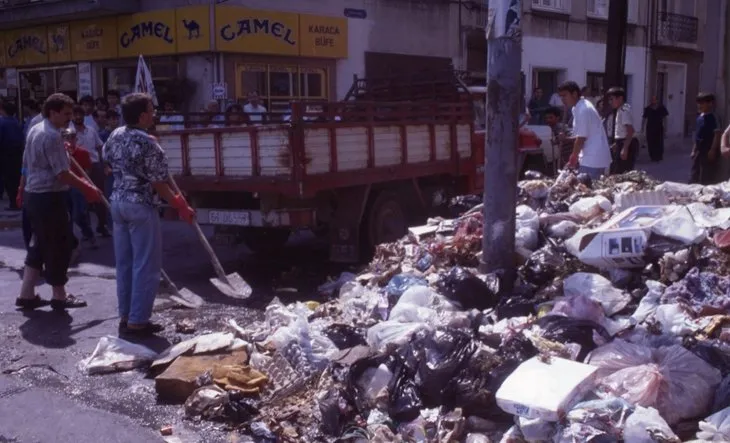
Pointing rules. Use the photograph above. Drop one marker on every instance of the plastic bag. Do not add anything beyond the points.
(420, 304)
(716, 427)
(392, 333)
(359, 304)
(543, 266)
(113, 354)
(714, 352)
(527, 225)
(675, 320)
(680, 226)
(645, 425)
(656, 378)
(570, 330)
(595, 420)
(400, 283)
(563, 230)
(590, 207)
(598, 288)
(580, 307)
(468, 290)
(345, 336)
(722, 395)
(405, 403)
(649, 302)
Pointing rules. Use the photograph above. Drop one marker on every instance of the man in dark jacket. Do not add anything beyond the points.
(11, 151)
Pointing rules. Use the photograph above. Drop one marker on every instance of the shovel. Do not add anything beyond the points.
(232, 285)
(184, 296)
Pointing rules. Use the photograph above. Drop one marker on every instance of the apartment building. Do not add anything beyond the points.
(566, 40)
(285, 50)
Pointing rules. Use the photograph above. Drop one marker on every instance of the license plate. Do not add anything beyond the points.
(232, 218)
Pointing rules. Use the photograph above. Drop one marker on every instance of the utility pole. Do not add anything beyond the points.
(618, 11)
(504, 65)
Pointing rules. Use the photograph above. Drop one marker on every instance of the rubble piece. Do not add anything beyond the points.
(526, 393)
(113, 354)
(166, 430)
(180, 379)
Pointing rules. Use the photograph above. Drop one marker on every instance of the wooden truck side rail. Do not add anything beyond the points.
(326, 146)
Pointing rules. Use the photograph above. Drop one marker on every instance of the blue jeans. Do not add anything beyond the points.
(138, 253)
(593, 173)
(80, 213)
(108, 184)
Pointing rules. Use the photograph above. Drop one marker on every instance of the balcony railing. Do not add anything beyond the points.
(673, 29)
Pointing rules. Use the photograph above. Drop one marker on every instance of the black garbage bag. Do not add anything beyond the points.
(334, 418)
(462, 203)
(543, 266)
(356, 372)
(345, 336)
(405, 403)
(239, 408)
(714, 352)
(518, 348)
(722, 396)
(520, 303)
(468, 290)
(439, 356)
(572, 330)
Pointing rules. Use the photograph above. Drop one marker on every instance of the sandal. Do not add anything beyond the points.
(31, 303)
(146, 331)
(71, 302)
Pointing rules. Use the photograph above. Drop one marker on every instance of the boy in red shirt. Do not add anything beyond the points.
(79, 207)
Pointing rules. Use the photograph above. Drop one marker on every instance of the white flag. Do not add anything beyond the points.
(143, 81)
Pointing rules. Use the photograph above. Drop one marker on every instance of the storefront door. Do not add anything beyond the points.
(38, 84)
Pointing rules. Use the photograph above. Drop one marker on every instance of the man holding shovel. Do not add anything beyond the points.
(139, 168)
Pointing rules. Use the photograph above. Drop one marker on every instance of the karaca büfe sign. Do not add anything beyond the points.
(325, 35)
(92, 37)
(258, 26)
(146, 29)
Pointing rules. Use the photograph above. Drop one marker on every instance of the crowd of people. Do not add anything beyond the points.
(601, 141)
(70, 157)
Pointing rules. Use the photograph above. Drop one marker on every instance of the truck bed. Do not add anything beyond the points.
(321, 150)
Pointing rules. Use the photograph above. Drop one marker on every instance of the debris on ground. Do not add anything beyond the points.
(616, 329)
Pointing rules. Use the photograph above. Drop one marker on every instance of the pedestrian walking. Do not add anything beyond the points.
(620, 129)
(47, 180)
(706, 149)
(654, 127)
(11, 152)
(590, 146)
(141, 176)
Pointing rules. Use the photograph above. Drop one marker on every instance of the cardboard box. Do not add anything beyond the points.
(546, 391)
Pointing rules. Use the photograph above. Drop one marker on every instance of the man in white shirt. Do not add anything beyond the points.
(87, 138)
(620, 129)
(87, 104)
(590, 148)
(254, 108)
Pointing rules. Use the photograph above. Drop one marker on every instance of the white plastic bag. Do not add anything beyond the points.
(645, 425)
(680, 226)
(527, 225)
(392, 333)
(671, 379)
(650, 302)
(716, 427)
(675, 320)
(113, 354)
(597, 288)
(563, 230)
(590, 207)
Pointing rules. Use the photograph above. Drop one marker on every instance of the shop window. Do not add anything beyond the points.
(278, 85)
(164, 76)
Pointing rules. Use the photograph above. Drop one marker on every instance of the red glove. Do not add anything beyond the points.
(184, 210)
(19, 198)
(573, 161)
(92, 194)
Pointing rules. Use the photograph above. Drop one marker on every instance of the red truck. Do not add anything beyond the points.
(358, 171)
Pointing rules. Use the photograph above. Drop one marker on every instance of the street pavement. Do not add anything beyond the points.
(45, 398)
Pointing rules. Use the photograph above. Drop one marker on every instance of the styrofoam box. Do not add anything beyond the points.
(547, 391)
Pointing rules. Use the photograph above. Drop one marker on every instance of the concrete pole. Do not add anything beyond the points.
(618, 11)
(504, 63)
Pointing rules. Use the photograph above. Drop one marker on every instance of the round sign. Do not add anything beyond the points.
(219, 90)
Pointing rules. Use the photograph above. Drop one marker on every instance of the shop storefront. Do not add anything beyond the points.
(282, 56)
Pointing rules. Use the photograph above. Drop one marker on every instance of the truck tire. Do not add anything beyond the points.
(386, 220)
(264, 240)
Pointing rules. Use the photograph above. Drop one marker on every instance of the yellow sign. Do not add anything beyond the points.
(192, 29)
(59, 45)
(26, 47)
(94, 39)
(322, 36)
(147, 33)
(257, 32)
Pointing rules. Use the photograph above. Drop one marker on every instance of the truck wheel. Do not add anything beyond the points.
(386, 221)
(264, 240)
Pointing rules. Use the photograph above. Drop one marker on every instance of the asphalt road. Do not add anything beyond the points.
(45, 398)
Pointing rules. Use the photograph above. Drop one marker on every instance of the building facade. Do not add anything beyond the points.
(566, 40)
(302, 49)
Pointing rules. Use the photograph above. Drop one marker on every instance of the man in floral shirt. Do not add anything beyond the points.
(139, 167)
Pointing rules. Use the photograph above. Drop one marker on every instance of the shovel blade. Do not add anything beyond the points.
(187, 298)
(234, 287)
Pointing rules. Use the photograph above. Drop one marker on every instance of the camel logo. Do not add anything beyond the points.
(193, 28)
(59, 42)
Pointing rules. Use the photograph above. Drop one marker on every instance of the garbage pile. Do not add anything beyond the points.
(617, 329)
